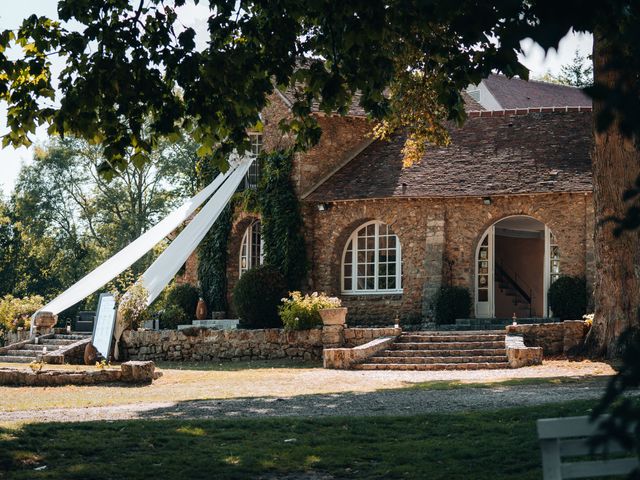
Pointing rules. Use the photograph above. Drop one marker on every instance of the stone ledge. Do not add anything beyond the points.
(344, 358)
(129, 372)
(519, 355)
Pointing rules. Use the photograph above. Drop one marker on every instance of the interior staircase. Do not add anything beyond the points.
(28, 352)
(511, 288)
(471, 350)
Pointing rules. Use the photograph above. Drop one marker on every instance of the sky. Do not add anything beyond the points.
(11, 159)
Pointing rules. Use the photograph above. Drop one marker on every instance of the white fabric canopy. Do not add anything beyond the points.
(139, 247)
(160, 273)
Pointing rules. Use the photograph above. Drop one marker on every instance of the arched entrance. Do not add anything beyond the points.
(516, 260)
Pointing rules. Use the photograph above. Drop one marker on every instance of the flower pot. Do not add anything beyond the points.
(333, 316)
(201, 310)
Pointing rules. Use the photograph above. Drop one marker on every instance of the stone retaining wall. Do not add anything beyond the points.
(560, 338)
(14, 337)
(197, 344)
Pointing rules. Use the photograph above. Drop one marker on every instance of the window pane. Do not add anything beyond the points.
(347, 284)
(483, 295)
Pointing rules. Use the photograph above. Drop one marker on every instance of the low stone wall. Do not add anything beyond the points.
(129, 372)
(354, 337)
(562, 338)
(519, 355)
(344, 358)
(14, 337)
(202, 344)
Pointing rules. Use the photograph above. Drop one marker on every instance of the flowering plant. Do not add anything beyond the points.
(302, 312)
(588, 319)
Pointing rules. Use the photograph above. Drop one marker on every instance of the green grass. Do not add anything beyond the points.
(232, 366)
(499, 444)
(513, 382)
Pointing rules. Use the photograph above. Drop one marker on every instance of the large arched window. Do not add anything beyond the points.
(372, 260)
(251, 251)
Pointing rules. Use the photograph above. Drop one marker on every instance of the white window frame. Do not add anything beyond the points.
(246, 248)
(252, 178)
(353, 240)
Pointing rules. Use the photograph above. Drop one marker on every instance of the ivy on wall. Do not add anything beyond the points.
(276, 202)
(281, 219)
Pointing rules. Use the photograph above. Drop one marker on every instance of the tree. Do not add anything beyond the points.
(579, 73)
(128, 63)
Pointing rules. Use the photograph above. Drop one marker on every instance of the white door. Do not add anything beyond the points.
(484, 275)
(551, 265)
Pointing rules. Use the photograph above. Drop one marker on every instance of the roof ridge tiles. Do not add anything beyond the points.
(525, 111)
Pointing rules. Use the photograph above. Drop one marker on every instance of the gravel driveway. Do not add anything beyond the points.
(384, 402)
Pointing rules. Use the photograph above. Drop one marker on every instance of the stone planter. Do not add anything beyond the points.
(45, 320)
(334, 316)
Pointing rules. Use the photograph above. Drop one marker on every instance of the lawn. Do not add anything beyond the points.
(499, 444)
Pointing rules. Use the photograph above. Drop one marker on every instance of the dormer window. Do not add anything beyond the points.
(255, 170)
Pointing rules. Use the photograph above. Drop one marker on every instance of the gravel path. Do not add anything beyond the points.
(385, 402)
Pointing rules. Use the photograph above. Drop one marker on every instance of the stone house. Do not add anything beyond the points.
(503, 211)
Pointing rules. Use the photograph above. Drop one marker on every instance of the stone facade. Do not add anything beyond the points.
(439, 238)
(563, 338)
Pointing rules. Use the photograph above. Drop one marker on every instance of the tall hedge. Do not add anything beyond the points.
(567, 298)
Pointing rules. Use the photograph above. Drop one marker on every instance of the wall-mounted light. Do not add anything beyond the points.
(486, 200)
(322, 207)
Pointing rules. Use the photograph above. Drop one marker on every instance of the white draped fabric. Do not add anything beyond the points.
(164, 268)
(134, 251)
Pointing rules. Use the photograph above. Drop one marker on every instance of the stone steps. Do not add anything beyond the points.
(445, 353)
(472, 350)
(432, 360)
(447, 345)
(37, 347)
(12, 359)
(25, 353)
(56, 341)
(432, 366)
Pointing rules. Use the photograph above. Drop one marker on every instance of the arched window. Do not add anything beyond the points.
(372, 260)
(251, 251)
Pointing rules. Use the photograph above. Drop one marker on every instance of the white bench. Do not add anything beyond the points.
(569, 437)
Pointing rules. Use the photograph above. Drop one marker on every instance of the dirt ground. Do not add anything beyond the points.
(263, 380)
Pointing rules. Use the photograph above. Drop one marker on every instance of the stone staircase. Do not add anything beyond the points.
(436, 350)
(28, 352)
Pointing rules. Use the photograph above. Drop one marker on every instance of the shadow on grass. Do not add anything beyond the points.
(596, 380)
(497, 444)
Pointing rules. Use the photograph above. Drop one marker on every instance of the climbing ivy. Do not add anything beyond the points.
(281, 219)
(276, 202)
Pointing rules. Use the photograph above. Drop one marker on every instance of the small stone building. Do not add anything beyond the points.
(503, 211)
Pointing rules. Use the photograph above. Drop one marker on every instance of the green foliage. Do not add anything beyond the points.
(172, 316)
(451, 303)
(567, 298)
(281, 219)
(16, 312)
(132, 306)
(212, 261)
(300, 312)
(257, 295)
(184, 296)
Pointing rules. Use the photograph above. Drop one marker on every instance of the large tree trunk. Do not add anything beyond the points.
(616, 164)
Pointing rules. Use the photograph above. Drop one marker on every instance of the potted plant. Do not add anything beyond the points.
(334, 313)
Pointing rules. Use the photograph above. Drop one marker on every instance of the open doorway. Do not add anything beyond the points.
(517, 259)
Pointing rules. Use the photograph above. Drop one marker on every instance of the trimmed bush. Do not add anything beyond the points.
(172, 316)
(257, 296)
(303, 312)
(185, 296)
(451, 303)
(16, 312)
(567, 298)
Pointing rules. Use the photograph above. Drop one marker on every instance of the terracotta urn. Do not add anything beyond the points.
(333, 316)
(201, 310)
(45, 320)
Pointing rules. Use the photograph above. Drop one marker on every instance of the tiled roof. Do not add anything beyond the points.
(518, 93)
(489, 155)
(357, 111)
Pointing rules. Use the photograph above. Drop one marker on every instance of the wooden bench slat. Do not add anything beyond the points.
(601, 468)
(567, 427)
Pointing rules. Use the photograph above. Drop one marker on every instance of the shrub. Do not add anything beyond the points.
(172, 316)
(568, 298)
(257, 295)
(16, 312)
(132, 306)
(451, 303)
(184, 296)
(303, 312)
